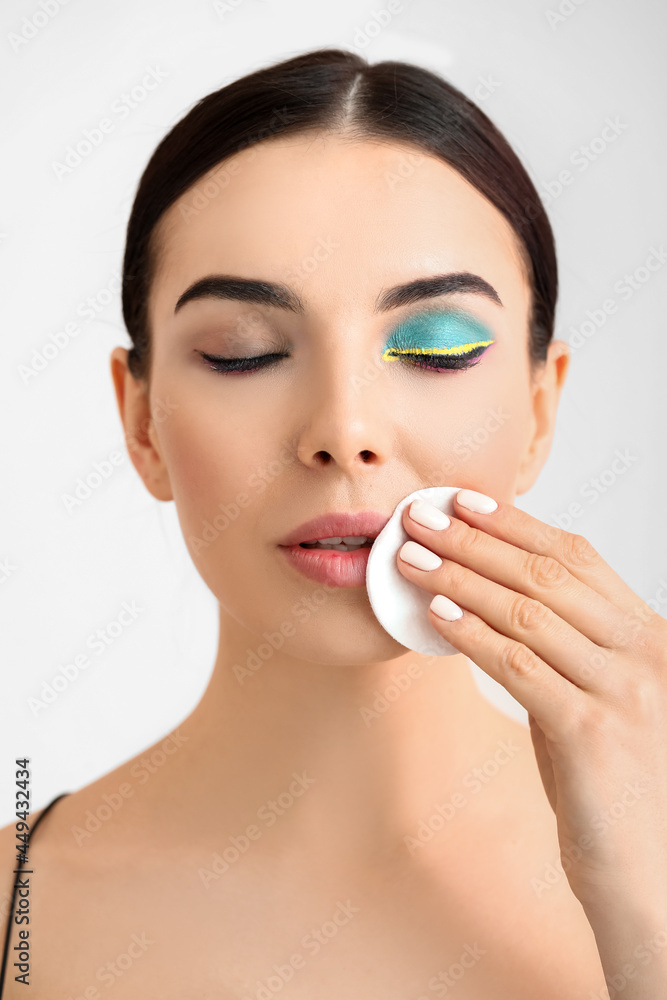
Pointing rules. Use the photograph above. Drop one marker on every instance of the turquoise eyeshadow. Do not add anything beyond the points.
(438, 333)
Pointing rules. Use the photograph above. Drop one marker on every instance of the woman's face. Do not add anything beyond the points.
(331, 426)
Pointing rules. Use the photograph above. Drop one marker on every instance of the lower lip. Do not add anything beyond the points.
(338, 569)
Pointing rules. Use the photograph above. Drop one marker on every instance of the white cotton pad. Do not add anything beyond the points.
(399, 605)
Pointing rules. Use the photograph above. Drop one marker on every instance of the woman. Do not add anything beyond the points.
(335, 274)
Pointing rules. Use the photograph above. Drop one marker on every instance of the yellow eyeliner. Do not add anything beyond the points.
(394, 352)
(450, 333)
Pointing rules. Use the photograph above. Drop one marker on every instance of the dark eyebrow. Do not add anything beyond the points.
(439, 284)
(270, 293)
(221, 286)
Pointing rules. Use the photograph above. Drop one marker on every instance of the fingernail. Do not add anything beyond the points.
(479, 502)
(431, 517)
(419, 556)
(444, 608)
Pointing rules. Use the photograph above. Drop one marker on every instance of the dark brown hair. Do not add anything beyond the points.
(335, 90)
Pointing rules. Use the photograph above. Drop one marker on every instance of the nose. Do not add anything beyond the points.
(345, 415)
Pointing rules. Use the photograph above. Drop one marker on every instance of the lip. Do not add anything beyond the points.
(328, 566)
(364, 522)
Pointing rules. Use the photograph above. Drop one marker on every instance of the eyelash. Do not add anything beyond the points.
(443, 362)
(241, 365)
(427, 362)
(402, 346)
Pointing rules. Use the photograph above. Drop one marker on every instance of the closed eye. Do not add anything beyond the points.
(441, 361)
(451, 359)
(241, 365)
(448, 340)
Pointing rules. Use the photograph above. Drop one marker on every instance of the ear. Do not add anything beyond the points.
(546, 391)
(143, 446)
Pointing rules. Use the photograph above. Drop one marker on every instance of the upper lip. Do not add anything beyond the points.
(334, 525)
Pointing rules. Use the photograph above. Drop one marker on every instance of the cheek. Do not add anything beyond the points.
(474, 439)
(217, 466)
(224, 474)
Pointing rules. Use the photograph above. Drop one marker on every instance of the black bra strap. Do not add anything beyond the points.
(10, 919)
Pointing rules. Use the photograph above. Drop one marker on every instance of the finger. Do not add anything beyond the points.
(511, 615)
(573, 551)
(540, 577)
(550, 698)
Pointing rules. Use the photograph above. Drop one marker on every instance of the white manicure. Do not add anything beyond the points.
(444, 608)
(428, 515)
(419, 556)
(399, 604)
(479, 502)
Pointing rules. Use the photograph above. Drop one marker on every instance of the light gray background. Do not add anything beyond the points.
(549, 74)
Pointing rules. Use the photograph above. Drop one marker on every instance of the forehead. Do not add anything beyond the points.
(338, 220)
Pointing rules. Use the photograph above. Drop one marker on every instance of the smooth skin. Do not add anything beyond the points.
(429, 822)
(549, 619)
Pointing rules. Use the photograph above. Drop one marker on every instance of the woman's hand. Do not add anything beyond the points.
(547, 617)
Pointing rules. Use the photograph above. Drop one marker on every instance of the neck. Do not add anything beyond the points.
(350, 758)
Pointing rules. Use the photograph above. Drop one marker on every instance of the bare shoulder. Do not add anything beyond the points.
(10, 845)
(7, 864)
(113, 819)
